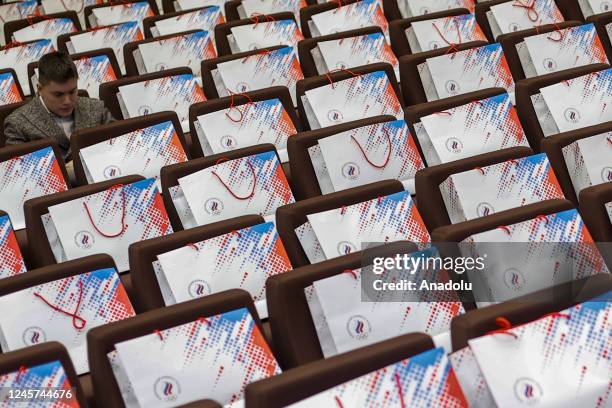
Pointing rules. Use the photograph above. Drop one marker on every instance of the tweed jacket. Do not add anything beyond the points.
(33, 122)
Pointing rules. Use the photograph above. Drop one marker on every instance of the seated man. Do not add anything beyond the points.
(56, 111)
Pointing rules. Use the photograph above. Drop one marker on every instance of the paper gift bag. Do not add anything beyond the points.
(120, 13)
(442, 32)
(502, 186)
(518, 15)
(11, 260)
(353, 319)
(44, 378)
(253, 184)
(243, 259)
(29, 176)
(19, 56)
(415, 8)
(64, 310)
(364, 13)
(186, 50)
(385, 219)
(9, 92)
(468, 130)
(108, 222)
(424, 380)
(264, 34)
(246, 125)
(589, 161)
(114, 37)
(532, 255)
(591, 7)
(16, 11)
(143, 152)
(371, 153)
(353, 52)
(577, 103)
(182, 5)
(560, 360)
(559, 50)
(78, 6)
(470, 379)
(209, 358)
(174, 93)
(250, 8)
(466, 71)
(203, 19)
(354, 98)
(278, 67)
(310, 244)
(45, 29)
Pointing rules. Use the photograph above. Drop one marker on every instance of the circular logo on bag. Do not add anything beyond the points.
(358, 327)
(242, 87)
(527, 391)
(452, 87)
(213, 206)
(254, 46)
(483, 209)
(434, 45)
(33, 335)
(198, 288)
(167, 389)
(144, 110)
(345, 248)
(111, 172)
(514, 279)
(549, 64)
(228, 142)
(84, 239)
(513, 27)
(605, 6)
(334, 115)
(572, 115)
(341, 65)
(606, 174)
(350, 171)
(424, 10)
(161, 66)
(454, 145)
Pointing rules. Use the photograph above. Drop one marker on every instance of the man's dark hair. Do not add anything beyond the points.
(57, 67)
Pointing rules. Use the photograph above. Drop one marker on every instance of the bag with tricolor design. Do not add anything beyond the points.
(49, 28)
(78, 6)
(19, 56)
(415, 8)
(360, 14)
(429, 35)
(18, 10)
(589, 161)
(9, 92)
(11, 260)
(264, 33)
(120, 13)
(517, 15)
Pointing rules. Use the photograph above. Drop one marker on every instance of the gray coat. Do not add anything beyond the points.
(33, 122)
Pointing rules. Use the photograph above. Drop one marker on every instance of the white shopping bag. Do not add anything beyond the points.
(114, 37)
(250, 8)
(243, 259)
(346, 53)
(264, 34)
(183, 50)
(173, 93)
(11, 260)
(50, 375)
(246, 125)
(442, 32)
(358, 97)
(517, 15)
(557, 361)
(562, 49)
(15, 11)
(309, 242)
(424, 380)
(364, 13)
(371, 153)
(109, 221)
(203, 19)
(143, 152)
(466, 71)
(231, 352)
(45, 29)
(532, 255)
(488, 190)
(590, 7)
(78, 6)
(468, 130)
(29, 176)
(386, 219)
(9, 93)
(414, 8)
(19, 56)
(183, 5)
(470, 379)
(120, 13)
(249, 185)
(262, 70)
(64, 310)
(589, 161)
(580, 102)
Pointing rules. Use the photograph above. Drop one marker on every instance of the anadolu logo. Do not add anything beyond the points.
(514, 279)
(33, 335)
(334, 115)
(351, 171)
(606, 174)
(514, 27)
(228, 142)
(111, 172)
(358, 327)
(483, 209)
(452, 87)
(167, 389)
(160, 66)
(213, 206)
(549, 64)
(84, 239)
(527, 391)
(454, 145)
(242, 87)
(144, 110)
(572, 115)
(345, 248)
(198, 288)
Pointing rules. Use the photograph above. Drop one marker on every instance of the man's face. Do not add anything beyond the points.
(59, 98)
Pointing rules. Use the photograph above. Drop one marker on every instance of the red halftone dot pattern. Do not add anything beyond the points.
(11, 260)
(129, 12)
(181, 89)
(53, 27)
(115, 36)
(94, 71)
(281, 65)
(9, 93)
